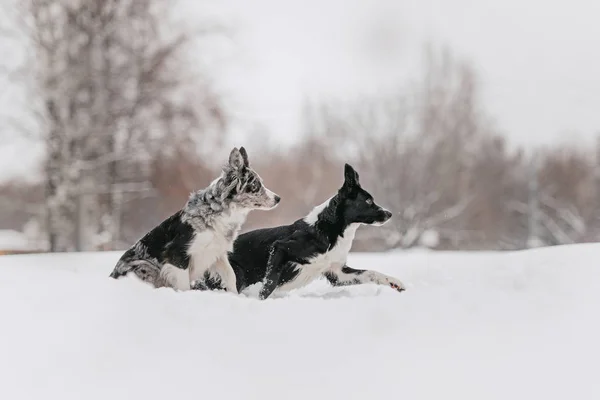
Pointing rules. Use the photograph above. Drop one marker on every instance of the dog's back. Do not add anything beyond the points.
(251, 252)
(168, 242)
(165, 244)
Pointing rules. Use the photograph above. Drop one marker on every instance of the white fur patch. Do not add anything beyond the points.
(177, 278)
(133, 277)
(271, 196)
(313, 216)
(204, 250)
(323, 262)
(213, 244)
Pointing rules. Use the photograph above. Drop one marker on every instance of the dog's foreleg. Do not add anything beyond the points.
(226, 273)
(281, 256)
(211, 280)
(174, 277)
(277, 260)
(274, 269)
(270, 283)
(198, 284)
(346, 276)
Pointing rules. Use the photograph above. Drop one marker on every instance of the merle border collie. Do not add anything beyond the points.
(192, 244)
(291, 256)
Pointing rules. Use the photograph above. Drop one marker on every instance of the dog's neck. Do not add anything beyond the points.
(208, 209)
(230, 222)
(328, 220)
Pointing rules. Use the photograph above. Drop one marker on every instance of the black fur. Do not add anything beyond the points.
(276, 256)
(165, 244)
(169, 242)
(335, 281)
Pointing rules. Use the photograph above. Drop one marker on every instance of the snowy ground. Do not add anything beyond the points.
(471, 326)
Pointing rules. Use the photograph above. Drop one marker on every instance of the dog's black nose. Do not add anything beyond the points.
(388, 214)
(277, 199)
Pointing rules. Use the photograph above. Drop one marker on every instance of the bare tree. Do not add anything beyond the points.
(114, 93)
(533, 214)
(121, 118)
(417, 150)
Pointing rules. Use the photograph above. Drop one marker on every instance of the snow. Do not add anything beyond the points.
(470, 326)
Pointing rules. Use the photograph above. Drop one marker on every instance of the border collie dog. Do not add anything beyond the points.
(291, 256)
(192, 244)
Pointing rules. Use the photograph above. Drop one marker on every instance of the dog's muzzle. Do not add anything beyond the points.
(386, 217)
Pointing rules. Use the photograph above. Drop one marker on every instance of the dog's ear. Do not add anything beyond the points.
(236, 160)
(244, 156)
(350, 176)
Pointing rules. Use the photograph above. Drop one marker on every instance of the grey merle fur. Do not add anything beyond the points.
(212, 217)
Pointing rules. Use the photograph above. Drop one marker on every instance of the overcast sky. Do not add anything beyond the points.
(538, 61)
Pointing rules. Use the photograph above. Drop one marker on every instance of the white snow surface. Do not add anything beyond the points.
(470, 326)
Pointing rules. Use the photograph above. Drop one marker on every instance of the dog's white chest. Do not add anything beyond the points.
(210, 245)
(321, 263)
(204, 251)
(339, 253)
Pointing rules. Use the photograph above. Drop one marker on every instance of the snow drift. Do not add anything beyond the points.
(470, 326)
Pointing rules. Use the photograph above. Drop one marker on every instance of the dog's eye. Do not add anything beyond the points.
(369, 201)
(253, 187)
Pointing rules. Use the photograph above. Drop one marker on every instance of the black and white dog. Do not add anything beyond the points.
(291, 256)
(192, 244)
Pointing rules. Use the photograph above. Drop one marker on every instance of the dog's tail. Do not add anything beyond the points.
(115, 274)
(121, 269)
(125, 265)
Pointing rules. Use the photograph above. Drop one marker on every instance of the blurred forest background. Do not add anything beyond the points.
(130, 123)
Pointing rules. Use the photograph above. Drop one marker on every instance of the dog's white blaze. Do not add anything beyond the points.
(271, 195)
(177, 278)
(313, 216)
(323, 262)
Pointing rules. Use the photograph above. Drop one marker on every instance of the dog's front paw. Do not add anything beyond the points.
(232, 290)
(198, 285)
(396, 284)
